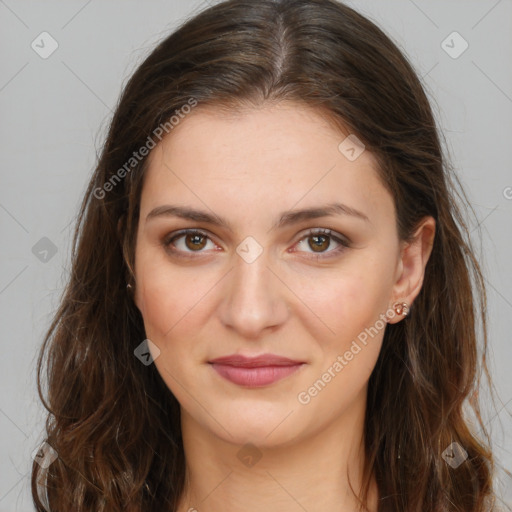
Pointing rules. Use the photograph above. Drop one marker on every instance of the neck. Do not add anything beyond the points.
(310, 474)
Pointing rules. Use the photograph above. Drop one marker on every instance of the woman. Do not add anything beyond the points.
(271, 303)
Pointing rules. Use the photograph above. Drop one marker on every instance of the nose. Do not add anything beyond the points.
(254, 299)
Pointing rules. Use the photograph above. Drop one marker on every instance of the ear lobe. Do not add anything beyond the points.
(413, 260)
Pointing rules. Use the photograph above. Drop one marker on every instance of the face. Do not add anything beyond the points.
(269, 267)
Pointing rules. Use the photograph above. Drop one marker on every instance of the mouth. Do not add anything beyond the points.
(255, 371)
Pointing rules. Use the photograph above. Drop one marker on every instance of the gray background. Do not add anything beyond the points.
(54, 114)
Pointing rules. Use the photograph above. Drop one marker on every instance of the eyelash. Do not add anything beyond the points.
(344, 243)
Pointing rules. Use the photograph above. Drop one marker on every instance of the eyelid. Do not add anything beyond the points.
(342, 240)
(167, 240)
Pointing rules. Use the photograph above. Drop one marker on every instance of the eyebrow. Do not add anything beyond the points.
(286, 218)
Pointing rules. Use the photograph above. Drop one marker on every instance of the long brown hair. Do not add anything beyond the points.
(112, 420)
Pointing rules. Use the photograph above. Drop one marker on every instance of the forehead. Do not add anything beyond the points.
(270, 133)
(258, 157)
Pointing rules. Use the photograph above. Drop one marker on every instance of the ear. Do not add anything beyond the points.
(410, 273)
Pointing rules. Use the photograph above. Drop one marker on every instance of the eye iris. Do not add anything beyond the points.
(195, 240)
(321, 246)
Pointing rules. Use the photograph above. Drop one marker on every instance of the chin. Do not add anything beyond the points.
(258, 425)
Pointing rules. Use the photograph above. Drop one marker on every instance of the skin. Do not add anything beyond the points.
(248, 168)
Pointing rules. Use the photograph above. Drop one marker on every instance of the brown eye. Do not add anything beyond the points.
(187, 242)
(195, 241)
(320, 242)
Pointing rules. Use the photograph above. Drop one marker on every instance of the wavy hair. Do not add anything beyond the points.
(114, 423)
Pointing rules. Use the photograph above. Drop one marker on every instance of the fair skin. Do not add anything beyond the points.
(290, 300)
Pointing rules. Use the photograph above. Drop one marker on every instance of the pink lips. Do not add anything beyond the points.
(254, 371)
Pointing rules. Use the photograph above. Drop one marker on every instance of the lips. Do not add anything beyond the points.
(255, 371)
(255, 362)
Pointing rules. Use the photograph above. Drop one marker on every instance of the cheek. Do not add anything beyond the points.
(347, 301)
(172, 306)
(169, 299)
(351, 305)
